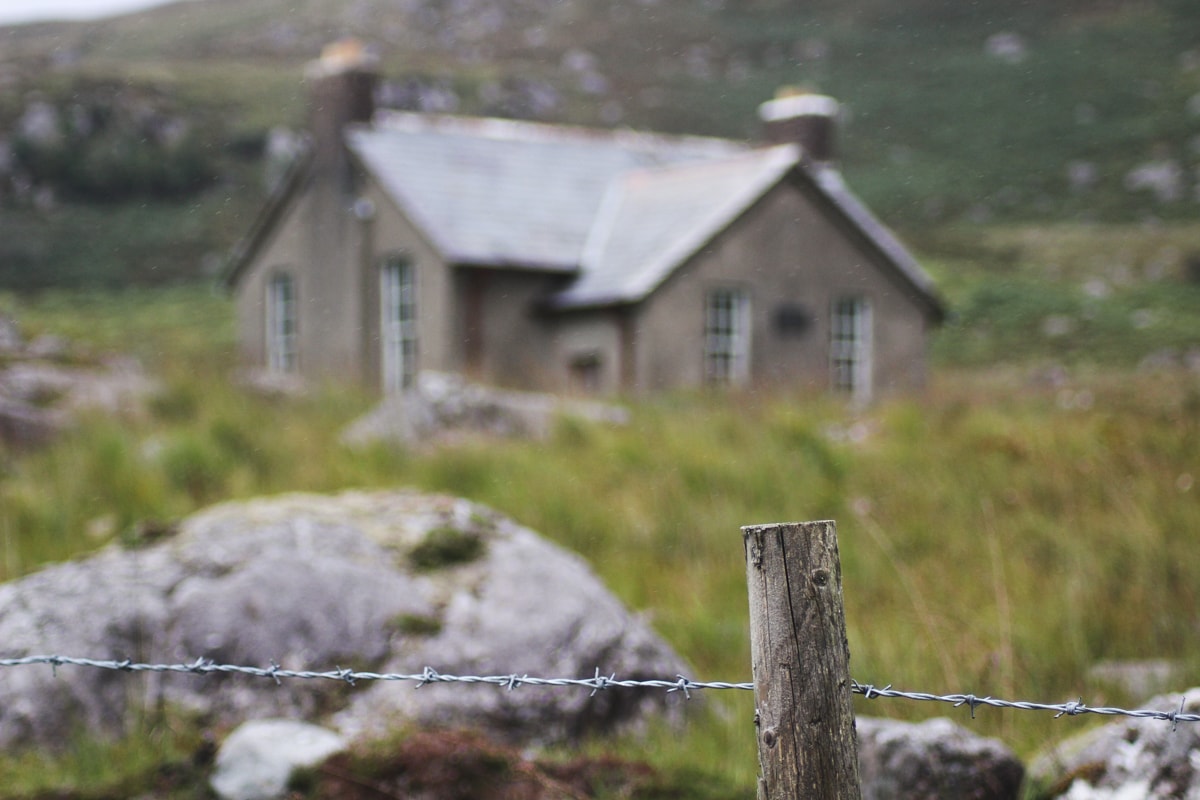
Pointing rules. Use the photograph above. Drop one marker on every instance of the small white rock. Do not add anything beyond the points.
(258, 759)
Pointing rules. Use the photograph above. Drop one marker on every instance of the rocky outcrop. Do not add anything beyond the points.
(44, 384)
(389, 581)
(442, 404)
(1131, 758)
(933, 759)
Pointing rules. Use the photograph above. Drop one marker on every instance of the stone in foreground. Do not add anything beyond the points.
(383, 581)
(258, 759)
(932, 760)
(1146, 759)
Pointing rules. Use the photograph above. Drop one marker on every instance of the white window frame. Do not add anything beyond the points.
(727, 337)
(397, 324)
(851, 346)
(282, 355)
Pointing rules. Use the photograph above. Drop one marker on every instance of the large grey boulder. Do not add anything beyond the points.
(931, 760)
(385, 581)
(1129, 758)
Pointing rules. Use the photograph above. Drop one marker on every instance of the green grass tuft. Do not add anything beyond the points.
(447, 547)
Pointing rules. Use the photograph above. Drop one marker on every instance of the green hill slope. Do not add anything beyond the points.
(955, 112)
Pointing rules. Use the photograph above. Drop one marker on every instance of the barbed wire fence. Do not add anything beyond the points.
(597, 683)
(802, 688)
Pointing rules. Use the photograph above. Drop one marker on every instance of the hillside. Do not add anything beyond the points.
(956, 113)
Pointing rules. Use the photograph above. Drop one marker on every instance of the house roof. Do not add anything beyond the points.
(499, 192)
(268, 216)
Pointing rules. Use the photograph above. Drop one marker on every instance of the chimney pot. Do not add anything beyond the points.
(803, 118)
(341, 87)
(344, 55)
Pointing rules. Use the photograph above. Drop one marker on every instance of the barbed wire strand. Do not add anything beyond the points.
(597, 683)
(1073, 708)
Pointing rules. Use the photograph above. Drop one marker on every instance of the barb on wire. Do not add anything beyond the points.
(598, 682)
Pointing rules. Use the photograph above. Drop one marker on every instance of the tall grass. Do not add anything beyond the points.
(999, 534)
(1078, 294)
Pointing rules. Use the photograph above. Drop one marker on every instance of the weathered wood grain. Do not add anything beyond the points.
(804, 717)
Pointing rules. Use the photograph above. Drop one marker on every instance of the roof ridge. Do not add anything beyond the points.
(788, 153)
(535, 131)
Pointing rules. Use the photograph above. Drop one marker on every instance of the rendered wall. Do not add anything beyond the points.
(789, 254)
(514, 339)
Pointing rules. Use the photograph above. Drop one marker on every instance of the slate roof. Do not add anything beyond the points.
(498, 192)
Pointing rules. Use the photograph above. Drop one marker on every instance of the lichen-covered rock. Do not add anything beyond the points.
(1130, 758)
(388, 581)
(932, 760)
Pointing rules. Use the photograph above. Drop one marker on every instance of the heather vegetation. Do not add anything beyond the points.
(1001, 534)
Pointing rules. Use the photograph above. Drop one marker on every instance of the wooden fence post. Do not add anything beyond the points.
(807, 747)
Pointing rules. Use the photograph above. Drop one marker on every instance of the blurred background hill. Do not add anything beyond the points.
(134, 150)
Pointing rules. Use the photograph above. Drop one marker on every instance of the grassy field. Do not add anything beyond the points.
(1082, 294)
(1024, 519)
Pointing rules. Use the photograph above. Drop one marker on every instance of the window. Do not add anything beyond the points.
(850, 347)
(727, 337)
(398, 324)
(281, 324)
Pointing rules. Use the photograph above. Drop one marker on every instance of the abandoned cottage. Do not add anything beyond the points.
(557, 258)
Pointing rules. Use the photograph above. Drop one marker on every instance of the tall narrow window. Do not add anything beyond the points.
(727, 337)
(281, 324)
(398, 324)
(850, 347)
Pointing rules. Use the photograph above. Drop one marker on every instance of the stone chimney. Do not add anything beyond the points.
(341, 90)
(809, 120)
